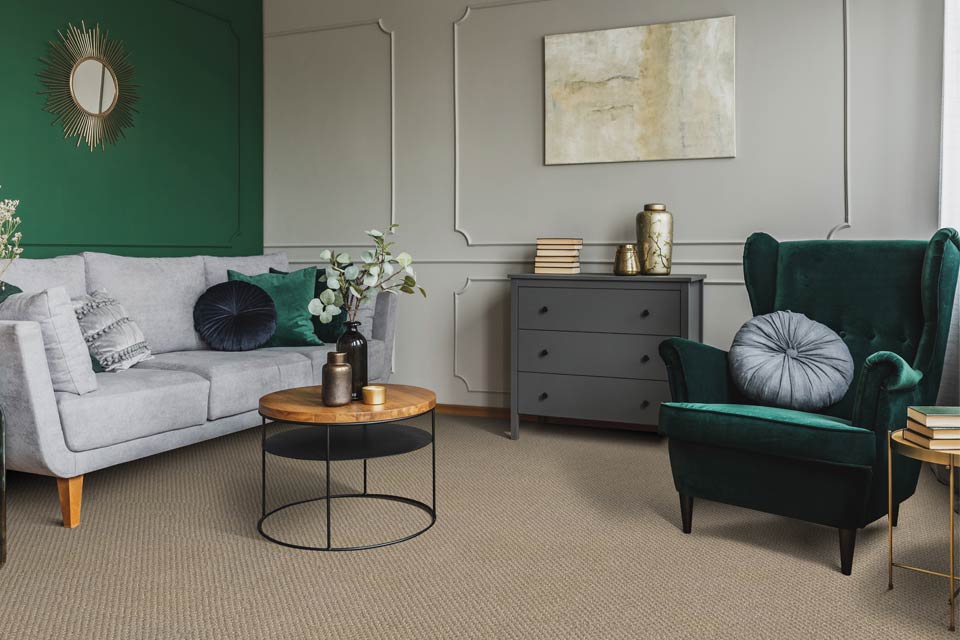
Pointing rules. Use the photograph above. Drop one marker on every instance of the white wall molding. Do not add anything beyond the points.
(378, 22)
(458, 225)
(456, 316)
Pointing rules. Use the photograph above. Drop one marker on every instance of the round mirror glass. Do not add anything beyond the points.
(93, 86)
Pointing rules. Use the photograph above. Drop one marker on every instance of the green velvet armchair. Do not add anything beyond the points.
(891, 303)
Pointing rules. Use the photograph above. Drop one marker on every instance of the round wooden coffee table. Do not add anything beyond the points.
(355, 431)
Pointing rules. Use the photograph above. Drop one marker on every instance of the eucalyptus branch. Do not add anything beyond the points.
(356, 281)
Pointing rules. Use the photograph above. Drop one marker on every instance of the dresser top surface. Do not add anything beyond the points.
(606, 277)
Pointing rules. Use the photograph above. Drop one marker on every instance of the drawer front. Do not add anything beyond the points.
(586, 398)
(643, 311)
(590, 354)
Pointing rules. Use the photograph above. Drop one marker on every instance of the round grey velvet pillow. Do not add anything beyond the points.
(787, 360)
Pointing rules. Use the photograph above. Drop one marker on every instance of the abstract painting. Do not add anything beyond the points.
(657, 92)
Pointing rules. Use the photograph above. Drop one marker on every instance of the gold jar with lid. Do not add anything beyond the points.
(627, 261)
(655, 239)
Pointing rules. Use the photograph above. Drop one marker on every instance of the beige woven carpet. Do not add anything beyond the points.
(567, 533)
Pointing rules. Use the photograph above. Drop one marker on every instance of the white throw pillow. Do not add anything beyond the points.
(113, 338)
(67, 355)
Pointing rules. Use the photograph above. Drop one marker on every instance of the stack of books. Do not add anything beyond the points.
(558, 255)
(933, 427)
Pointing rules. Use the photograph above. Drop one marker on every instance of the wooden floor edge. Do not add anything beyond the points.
(503, 413)
(473, 411)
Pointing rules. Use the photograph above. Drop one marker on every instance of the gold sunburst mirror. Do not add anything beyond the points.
(89, 86)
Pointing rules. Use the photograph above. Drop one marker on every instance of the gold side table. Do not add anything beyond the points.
(948, 457)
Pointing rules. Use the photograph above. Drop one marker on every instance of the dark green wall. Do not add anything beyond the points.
(187, 178)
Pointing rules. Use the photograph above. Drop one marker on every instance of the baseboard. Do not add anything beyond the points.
(473, 411)
(503, 413)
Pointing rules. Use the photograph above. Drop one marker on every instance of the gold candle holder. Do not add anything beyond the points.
(374, 394)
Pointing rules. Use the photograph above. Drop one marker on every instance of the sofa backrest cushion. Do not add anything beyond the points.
(158, 293)
(67, 357)
(216, 267)
(36, 275)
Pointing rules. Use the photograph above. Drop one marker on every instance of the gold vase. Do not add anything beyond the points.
(655, 239)
(627, 262)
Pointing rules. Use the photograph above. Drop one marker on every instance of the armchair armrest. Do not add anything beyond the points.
(886, 387)
(697, 372)
(34, 437)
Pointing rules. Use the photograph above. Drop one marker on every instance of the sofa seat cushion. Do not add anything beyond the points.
(770, 431)
(378, 360)
(238, 379)
(132, 404)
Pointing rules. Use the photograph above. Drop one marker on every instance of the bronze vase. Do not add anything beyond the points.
(337, 380)
(655, 239)
(627, 262)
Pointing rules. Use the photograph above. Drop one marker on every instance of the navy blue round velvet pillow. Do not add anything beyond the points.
(235, 316)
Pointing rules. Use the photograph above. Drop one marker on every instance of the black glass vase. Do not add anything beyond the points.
(354, 345)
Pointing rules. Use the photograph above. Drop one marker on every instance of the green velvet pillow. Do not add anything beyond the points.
(291, 293)
(329, 333)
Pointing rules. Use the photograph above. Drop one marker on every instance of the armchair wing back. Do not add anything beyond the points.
(883, 295)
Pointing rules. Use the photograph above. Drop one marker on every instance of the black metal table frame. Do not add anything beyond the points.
(429, 510)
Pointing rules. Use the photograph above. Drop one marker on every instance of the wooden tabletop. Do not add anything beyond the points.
(904, 447)
(305, 404)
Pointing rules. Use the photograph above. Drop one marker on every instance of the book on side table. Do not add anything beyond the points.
(933, 427)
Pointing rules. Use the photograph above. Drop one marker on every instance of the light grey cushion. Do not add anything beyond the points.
(238, 379)
(378, 365)
(216, 267)
(365, 316)
(35, 275)
(158, 293)
(787, 360)
(132, 404)
(112, 338)
(67, 356)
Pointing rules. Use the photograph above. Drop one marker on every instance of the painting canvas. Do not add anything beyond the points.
(657, 92)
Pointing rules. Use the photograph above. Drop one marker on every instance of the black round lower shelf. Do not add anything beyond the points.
(356, 442)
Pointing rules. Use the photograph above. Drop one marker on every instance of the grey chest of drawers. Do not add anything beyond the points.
(584, 347)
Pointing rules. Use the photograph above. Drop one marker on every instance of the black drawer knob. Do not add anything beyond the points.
(544, 396)
(544, 353)
(544, 309)
(645, 313)
(645, 359)
(644, 404)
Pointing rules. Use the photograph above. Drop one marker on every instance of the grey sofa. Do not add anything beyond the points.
(185, 394)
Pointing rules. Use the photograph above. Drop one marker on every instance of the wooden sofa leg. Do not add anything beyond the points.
(686, 512)
(848, 540)
(71, 493)
(895, 516)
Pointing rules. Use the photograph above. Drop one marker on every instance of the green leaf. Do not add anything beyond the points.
(406, 289)
(423, 291)
(328, 297)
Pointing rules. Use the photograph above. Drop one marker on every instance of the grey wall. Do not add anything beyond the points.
(361, 131)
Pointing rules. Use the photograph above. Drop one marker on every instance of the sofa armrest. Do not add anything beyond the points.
(385, 322)
(34, 437)
(697, 372)
(886, 387)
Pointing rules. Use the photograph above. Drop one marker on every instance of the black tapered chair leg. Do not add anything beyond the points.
(848, 541)
(686, 512)
(895, 516)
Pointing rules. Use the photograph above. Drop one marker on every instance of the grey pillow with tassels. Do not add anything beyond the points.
(785, 359)
(114, 340)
